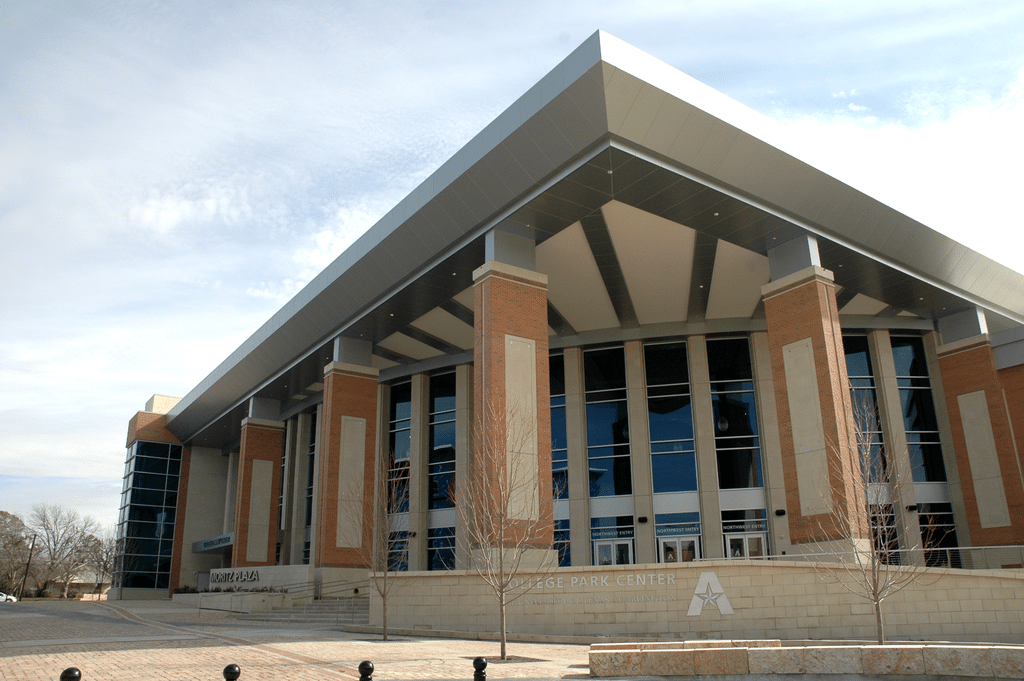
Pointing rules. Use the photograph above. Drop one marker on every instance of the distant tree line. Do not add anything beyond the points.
(55, 548)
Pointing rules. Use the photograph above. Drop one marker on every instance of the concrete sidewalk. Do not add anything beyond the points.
(144, 640)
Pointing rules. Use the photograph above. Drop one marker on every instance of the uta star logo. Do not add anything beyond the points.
(709, 591)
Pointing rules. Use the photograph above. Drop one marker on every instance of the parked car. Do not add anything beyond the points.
(5, 597)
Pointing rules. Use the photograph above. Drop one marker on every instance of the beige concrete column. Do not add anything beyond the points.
(287, 489)
(894, 435)
(199, 513)
(297, 528)
(579, 475)
(640, 453)
(230, 493)
(704, 442)
(463, 452)
(318, 450)
(419, 443)
(771, 450)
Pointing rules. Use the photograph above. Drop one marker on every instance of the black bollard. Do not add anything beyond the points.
(71, 674)
(365, 671)
(232, 672)
(480, 665)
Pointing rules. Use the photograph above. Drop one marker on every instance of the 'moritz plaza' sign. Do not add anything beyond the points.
(234, 576)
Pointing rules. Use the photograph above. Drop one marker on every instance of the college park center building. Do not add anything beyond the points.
(686, 316)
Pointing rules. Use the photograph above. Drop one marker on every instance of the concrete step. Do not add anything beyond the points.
(334, 611)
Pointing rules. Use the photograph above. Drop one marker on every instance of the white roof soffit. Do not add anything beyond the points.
(605, 95)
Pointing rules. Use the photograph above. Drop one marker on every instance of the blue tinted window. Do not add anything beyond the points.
(674, 472)
(441, 548)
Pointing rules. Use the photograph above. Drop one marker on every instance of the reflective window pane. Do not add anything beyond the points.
(740, 468)
(670, 418)
(665, 364)
(607, 424)
(674, 472)
(729, 360)
(610, 476)
(604, 369)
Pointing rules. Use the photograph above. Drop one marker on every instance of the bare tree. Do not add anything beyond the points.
(508, 527)
(390, 550)
(103, 555)
(64, 538)
(14, 548)
(875, 567)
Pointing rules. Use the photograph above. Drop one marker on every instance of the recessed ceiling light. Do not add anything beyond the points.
(609, 172)
(716, 215)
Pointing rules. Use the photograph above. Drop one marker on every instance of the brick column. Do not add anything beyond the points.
(347, 466)
(812, 396)
(987, 458)
(257, 492)
(510, 382)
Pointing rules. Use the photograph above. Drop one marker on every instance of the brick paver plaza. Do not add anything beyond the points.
(160, 640)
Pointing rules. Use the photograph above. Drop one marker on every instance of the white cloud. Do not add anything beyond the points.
(956, 174)
(173, 172)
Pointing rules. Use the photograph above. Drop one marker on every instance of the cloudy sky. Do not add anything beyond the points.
(172, 172)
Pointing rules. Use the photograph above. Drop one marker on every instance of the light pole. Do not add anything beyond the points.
(21, 594)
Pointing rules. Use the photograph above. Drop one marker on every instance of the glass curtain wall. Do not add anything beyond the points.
(441, 472)
(608, 462)
(938, 529)
(559, 456)
(871, 447)
(559, 439)
(149, 498)
(737, 443)
(608, 453)
(673, 454)
(399, 444)
(441, 464)
(310, 476)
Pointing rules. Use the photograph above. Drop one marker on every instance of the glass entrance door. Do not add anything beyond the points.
(750, 545)
(678, 549)
(613, 552)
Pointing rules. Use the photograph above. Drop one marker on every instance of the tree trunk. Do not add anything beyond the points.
(504, 636)
(878, 623)
(384, 601)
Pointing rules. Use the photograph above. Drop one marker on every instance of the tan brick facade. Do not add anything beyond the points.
(969, 368)
(510, 301)
(350, 396)
(797, 308)
(149, 427)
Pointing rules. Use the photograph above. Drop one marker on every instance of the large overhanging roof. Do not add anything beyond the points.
(653, 200)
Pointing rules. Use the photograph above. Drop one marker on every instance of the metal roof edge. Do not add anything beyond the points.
(557, 80)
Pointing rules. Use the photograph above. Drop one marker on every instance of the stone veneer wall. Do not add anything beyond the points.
(715, 599)
(760, 658)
